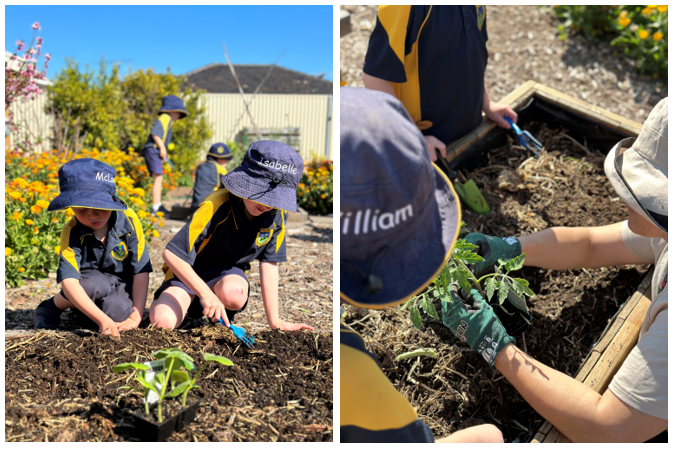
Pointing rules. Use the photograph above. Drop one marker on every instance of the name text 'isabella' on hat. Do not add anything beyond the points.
(290, 168)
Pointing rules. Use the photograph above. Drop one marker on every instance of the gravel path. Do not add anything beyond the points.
(524, 45)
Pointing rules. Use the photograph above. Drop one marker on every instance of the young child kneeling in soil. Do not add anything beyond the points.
(207, 260)
(104, 260)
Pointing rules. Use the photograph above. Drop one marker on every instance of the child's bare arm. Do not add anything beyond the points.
(76, 295)
(213, 307)
(269, 282)
(159, 142)
(139, 296)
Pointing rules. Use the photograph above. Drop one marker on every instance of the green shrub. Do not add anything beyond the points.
(641, 31)
(118, 113)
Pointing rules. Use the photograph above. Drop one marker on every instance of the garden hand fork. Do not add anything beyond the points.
(240, 333)
(525, 138)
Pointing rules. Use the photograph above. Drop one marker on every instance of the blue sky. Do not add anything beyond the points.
(183, 38)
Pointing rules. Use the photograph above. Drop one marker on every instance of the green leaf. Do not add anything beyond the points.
(135, 366)
(466, 256)
(415, 317)
(463, 277)
(179, 376)
(426, 305)
(147, 385)
(502, 291)
(463, 244)
(490, 287)
(517, 263)
(406, 303)
(220, 359)
(521, 286)
(418, 352)
(178, 390)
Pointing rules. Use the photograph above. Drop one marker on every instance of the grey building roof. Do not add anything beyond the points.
(217, 78)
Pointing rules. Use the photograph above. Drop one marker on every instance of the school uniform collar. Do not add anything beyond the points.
(241, 219)
(118, 222)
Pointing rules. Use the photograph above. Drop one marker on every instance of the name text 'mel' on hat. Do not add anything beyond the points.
(269, 175)
(637, 168)
(399, 215)
(87, 183)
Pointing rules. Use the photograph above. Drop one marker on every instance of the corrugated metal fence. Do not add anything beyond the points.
(310, 113)
(226, 113)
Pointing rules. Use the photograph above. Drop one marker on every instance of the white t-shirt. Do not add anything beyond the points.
(641, 382)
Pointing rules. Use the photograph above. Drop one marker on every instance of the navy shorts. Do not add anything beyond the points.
(108, 292)
(195, 310)
(153, 160)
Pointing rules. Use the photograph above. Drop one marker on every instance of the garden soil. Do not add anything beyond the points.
(59, 386)
(566, 186)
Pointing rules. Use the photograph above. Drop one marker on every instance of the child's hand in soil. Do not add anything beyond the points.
(288, 326)
(108, 326)
(213, 308)
(130, 323)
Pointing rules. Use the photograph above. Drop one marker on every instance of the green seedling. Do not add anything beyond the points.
(456, 271)
(418, 352)
(172, 375)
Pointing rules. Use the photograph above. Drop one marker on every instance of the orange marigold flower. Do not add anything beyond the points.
(35, 209)
(21, 270)
(57, 249)
(662, 8)
(8, 251)
(29, 222)
(643, 34)
(17, 215)
(36, 230)
(15, 195)
(657, 36)
(155, 233)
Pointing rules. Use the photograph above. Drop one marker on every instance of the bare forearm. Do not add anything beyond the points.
(486, 100)
(378, 84)
(186, 274)
(269, 285)
(568, 404)
(159, 143)
(139, 292)
(75, 294)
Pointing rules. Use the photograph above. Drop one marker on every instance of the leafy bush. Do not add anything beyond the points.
(108, 110)
(32, 236)
(641, 31)
(314, 192)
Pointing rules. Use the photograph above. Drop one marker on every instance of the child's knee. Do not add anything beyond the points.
(232, 295)
(162, 316)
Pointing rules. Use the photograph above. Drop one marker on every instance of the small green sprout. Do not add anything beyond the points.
(172, 375)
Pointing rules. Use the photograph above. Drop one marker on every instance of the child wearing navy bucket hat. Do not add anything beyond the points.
(154, 150)
(399, 220)
(104, 264)
(208, 177)
(206, 262)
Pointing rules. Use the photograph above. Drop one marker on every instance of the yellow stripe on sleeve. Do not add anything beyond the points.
(138, 228)
(67, 252)
(165, 120)
(394, 19)
(204, 214)
(281, 235)
(367, 398)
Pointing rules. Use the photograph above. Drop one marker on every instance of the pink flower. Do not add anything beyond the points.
(39, 41)
(36, 26)
(19, 45)
(47, 56)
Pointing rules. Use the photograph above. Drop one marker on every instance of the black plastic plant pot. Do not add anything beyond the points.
(514, 323)
(148, 431)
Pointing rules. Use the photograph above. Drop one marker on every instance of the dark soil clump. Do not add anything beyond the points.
(565, 187)
(61, 387)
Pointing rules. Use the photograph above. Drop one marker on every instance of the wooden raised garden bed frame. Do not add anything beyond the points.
(622, 332)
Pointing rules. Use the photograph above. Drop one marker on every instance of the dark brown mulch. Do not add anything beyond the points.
(565, 187)
(280, 391)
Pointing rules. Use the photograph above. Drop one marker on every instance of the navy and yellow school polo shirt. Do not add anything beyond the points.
(220, 235)
(435, 57)
(124, 253)
(371, 409)
(207, 180)
(162, 127)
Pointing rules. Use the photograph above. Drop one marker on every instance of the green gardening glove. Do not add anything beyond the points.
(492, 249)
(475, 322)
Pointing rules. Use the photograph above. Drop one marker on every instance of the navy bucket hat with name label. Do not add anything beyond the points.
(268, 175)
(87, 183)
(171, 103)
(399, 214)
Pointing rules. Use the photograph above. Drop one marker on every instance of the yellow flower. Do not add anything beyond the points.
(657, 36)
(29, 222)
(646, 11)
(643, 34)
(15, 195)
(42, 204)
(159, 214)
(155, 233)
(625, 21)
(35, 209)
(21, 269)
(322, 195)
(8, 251)
(22, 199)
(662, 8)
(57, 249)
(36, 230)
(17, 215)
(142, 214)
(623, 14)
(139, 192)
